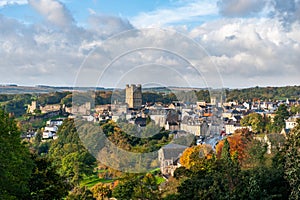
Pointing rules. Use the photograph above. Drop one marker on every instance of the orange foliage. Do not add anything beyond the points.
(238, 144)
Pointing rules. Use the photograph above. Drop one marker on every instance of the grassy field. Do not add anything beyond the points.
(93, 180)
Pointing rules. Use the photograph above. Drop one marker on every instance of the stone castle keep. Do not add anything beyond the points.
(134, 96)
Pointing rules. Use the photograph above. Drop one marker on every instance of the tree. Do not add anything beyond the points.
(45, 182)
(295, 109)
(225, 154)
(125, 189)
(15, 162)
(147, 188)
(68, 153)
(238, 143)
(292, 161)
(254, 120)
(282, 114)
(195, 156)
(255, 153)
(102, 191)
(137, 187)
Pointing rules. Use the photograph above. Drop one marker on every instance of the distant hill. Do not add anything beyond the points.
(15, 89)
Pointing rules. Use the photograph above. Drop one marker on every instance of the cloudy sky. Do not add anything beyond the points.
(229, 43)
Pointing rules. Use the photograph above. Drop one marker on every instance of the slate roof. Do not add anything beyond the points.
(172, 151)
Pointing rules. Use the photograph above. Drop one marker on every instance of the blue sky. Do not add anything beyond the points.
(250, 42)
(133, 10)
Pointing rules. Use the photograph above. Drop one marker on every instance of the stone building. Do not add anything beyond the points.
(84, 109)
(50, 108)
(169, 158)
(134, 96)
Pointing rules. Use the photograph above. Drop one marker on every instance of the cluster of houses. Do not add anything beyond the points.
(51, 128)
(202, 119)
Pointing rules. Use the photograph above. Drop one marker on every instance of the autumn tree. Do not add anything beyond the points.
(102, 191)
(195, 156)
(238, 143)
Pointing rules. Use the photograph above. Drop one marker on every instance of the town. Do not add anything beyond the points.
(178, 117)
(161, 130)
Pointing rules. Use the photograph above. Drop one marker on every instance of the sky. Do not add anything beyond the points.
(199, 43)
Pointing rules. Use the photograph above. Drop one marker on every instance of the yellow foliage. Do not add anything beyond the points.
(194, 155)
(101, 191)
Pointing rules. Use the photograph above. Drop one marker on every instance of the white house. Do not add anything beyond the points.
(291, 122)
(51, 129)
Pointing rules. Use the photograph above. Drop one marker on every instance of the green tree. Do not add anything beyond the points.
(15, 162)
(69, 154)
(137, 187)
(256, 151)
(254, 120)
(125, 189)
(225, 154)
(282, 114)
(147, 188)
(292, 162)
(262, 183)
(295, 109)
(45, 182)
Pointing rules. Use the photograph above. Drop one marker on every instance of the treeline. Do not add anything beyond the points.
(264, 93)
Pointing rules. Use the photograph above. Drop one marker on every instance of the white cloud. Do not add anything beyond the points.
(54, 11)
(39, 54)
(107, 25)
(186, 11)
(252, 51)
(248, 52)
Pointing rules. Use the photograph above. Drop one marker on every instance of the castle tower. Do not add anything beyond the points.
(134, 96)
(32, 107)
